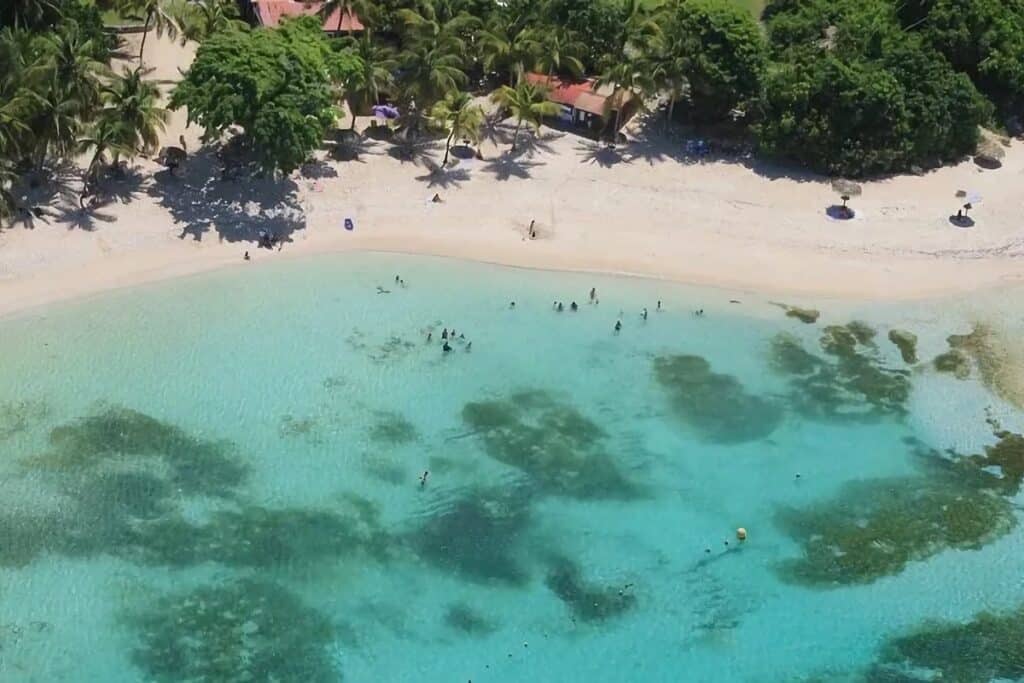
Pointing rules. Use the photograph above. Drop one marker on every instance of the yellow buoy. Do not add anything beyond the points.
(741, 534)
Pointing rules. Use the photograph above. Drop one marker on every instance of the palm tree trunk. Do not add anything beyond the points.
(671, 110)
(515, 136)
(448, 147)
(90, 170)
(145, 33)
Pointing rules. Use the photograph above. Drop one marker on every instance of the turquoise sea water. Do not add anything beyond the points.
(218, 479)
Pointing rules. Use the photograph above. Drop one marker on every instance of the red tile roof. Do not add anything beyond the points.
(584, 95)
(270, 13)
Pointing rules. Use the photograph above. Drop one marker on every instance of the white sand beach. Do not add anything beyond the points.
(643, 209)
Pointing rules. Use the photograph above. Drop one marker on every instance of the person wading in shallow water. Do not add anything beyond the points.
(423, 478)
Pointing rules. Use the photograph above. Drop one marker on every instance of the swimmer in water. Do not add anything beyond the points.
(560, 307)
(430, 336)
(469, 345)
(593, 294)
(512, 304)
(423, 478)
(659, 304)
(618, 326)
(573, 307)
(446, 347)
(444, 333)
(644, 314)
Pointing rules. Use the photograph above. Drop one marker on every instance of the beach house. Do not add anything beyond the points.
(270, 13)
(585, 104)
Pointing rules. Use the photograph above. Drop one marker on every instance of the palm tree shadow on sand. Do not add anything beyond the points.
(237, 210)
(445, 178)
(415, 150)
(510, 165)
(602, 154)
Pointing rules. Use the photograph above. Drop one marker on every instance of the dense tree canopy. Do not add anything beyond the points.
(981, 38)
(722, 51)
(272, 84)
(851, 92)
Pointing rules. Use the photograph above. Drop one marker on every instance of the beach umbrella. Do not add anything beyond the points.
(989, 153)
(385, 111)
(846, 188)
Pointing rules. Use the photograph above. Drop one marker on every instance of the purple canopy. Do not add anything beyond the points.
(385, 111)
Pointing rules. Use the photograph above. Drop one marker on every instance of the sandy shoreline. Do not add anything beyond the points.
(645, 211)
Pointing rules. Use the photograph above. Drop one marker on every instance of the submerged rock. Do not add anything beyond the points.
(906, 342)
(874, 528)
(715, 405)
(195, 466)
(560, 449)
(259, 537)
(235, 632)
(953, 362)
(989, 647)
(115, 473)
(587, 601)
(808, 316)
(850, 381)
(463, 618)
(392, 428)
(477, 536)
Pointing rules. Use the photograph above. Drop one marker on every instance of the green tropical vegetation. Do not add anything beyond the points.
(851, 87)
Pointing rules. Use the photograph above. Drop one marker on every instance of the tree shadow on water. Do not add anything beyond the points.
(237, 210)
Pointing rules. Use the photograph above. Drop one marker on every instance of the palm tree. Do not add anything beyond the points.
(667, 64)
(135, 103)
(557, 52)
(69, 66)
(107, 134)
(364, 86)
(7, 180)
(28, 14)
(430, 71)
(527, 102)
(363, 9)
(440, 22)
(157, 15)
(55, 125)
(506, 46)
(202, 18)
(627, 77)
(458, 113)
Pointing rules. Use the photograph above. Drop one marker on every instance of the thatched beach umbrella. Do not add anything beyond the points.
(989, 153)
(846, 188)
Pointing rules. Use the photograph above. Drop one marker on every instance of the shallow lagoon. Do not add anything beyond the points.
(217, 479)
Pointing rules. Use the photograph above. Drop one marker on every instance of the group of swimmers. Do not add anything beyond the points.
(447, 337)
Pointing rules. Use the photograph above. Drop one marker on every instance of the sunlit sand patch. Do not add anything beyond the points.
(715, 405)
(998, 359)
